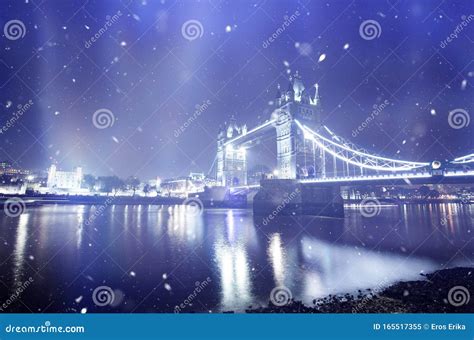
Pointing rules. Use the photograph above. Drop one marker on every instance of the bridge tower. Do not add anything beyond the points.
(295, 159)
(231, 161)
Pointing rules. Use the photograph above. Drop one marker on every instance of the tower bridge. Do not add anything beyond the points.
(310, 156)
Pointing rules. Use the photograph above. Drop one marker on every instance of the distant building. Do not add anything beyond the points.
(64, 180)
(182, 186)
(7, 169)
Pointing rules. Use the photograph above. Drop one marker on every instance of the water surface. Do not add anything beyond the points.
(154, 257)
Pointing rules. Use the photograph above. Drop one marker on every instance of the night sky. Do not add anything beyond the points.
(151, 76)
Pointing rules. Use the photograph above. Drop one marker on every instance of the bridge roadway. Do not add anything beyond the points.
(420, 178)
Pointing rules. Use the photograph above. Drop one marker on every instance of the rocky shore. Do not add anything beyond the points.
(443, 291)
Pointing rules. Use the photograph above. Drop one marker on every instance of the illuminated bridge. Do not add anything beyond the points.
(313, 161)
(310, 152)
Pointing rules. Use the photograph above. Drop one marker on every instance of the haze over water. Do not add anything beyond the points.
(154, 257)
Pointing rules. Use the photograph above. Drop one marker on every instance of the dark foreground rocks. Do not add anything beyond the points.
(444, 291)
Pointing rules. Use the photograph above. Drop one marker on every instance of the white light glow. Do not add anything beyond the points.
(464, 159)
(406, 165)
(270, 122)
(366, 178)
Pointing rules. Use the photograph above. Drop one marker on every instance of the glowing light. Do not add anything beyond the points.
(459, 173)
(277, 257)
(436, 165)
(270, 122)
(464, 159)
(405, 165)
(366, 178)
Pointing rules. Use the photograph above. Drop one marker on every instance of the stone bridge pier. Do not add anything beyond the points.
(289, 197)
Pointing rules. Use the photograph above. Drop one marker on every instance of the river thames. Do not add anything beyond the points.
(154, 257)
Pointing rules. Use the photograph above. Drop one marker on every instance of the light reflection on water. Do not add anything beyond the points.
(244, 260)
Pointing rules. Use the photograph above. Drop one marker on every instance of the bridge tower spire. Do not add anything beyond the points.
(231, 159)
(295, 159)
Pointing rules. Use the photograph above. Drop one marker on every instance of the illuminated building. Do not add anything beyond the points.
(7, 169)
(64, 180)
(182, 186)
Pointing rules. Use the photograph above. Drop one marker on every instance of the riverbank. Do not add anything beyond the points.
(427, 295)
(42, 199)
(45, 199)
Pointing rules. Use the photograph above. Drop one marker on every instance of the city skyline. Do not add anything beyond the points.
(152, 77)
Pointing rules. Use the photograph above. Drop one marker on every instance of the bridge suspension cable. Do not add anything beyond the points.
(351, 154)
(464, 159)
(261, 126)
